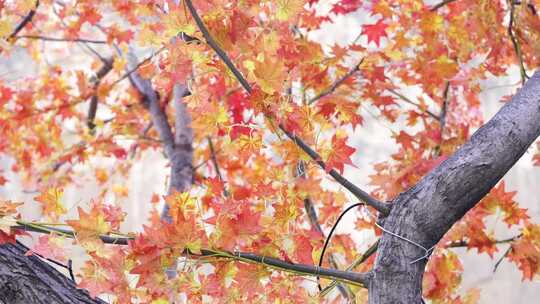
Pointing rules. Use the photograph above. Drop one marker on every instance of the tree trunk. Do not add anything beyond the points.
(424, 213)
(29, 280)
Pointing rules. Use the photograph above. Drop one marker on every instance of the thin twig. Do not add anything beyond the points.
(25, 21)
(314, 220)
(409, 101)
(214, 45)
(214, 158)
(336, 84)
(371, 250)
(327, 241)
(68, 267)
(439, 5)
(92, 107)
(382, 207)
(136, 67)
(359, 279)
(464, 243)
(360, 194)
(517, 47)
(55, 39)
(502, 258)
(444, 108)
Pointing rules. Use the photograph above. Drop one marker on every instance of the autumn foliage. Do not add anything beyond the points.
(247, 194)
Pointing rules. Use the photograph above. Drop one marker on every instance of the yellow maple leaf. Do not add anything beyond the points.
(90, 225)
(288, 8)
(51, 201)
(6, 28)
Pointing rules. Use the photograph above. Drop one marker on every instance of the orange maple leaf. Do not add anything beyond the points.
(339, 155)
(90, 225)
(51, 203)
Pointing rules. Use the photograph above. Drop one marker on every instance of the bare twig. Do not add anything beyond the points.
(25, 21)
(409, 101)
(67, 267)
(442, 115)
(371, 250)
(336, 84)
(92, 107)
(517, 47)
(150, 98)
(464, 243)
(55, 39)
(502, 258)
(314, 220)
(135, 67)
(214, 158)
(441, 4)
(360, 194)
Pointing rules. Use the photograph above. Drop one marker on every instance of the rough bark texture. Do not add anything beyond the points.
(425, 212)
(29, 280)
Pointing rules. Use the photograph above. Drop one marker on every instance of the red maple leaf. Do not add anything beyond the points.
(340, 155)
(375, 31)
(345, 6)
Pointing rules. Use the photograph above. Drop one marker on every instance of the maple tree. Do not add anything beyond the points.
(255, 119)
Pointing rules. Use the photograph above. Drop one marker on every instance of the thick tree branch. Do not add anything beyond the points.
(360, 194)
(28, 279)
(424, 213)
(178, 147)
(159, 118)
(182, 158)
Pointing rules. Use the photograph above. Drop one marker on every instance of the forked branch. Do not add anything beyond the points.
(384, 208)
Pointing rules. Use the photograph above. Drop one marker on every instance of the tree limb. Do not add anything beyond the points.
(425, 212)
(359, 279)
(55, 39)
(92, 107)
(409, 101)
(336, 84)
(360, 194)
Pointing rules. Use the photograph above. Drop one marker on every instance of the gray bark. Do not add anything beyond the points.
(178, 145)
(425, 212)
(29, 280)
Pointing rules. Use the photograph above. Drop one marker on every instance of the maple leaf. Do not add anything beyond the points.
(339, 155)
(51, 247)
(7, 238)
(51, 201)
(374, 32)
(8, 208)
(286, 9)
(90, 225)
(345, 6)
